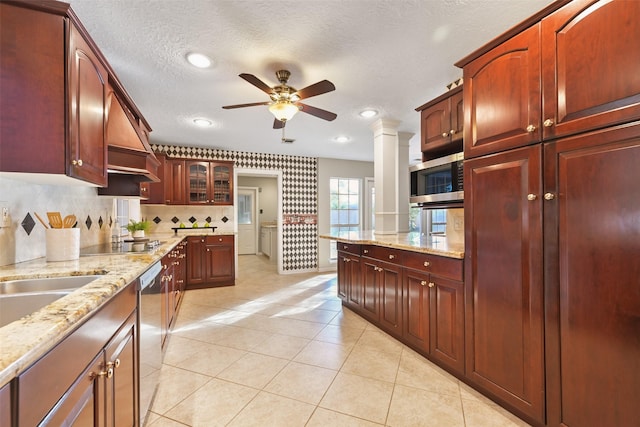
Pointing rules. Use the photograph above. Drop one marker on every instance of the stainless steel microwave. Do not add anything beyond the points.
(437, 181)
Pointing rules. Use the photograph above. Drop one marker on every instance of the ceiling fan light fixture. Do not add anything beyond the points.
(368, 113)
(283, 110)
(198, 60)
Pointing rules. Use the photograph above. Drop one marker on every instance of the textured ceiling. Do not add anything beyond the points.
(390, 55)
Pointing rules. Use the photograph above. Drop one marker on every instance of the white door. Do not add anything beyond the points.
(247, 220)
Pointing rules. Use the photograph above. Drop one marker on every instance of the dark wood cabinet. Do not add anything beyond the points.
(174, 182)
(382, 287)
(502, 96)
(210, 261)
(592, 286)
(54, 89)
(154, 192)
(416, 297)
(91, 377)
(442, 125)
(5, 405)
(504, 294)
(567, 74)
(209, 183)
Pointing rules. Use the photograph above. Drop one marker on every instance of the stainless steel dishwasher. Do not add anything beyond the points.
(150, 336)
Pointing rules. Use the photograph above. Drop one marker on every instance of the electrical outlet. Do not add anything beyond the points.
(5, 218)
(458, 223)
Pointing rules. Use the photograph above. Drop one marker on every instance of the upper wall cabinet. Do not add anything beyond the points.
(441, 125)
(54, 97)
(209, 183)
(573, 71)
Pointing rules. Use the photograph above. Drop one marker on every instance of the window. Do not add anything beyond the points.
(345, 207)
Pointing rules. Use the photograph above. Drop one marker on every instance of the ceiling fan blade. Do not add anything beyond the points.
(257, 82)
(316, 89)
(277, 124)
(253, 104)
(318, 112)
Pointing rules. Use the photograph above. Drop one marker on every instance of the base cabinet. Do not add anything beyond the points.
(210, 261)
(91, 377)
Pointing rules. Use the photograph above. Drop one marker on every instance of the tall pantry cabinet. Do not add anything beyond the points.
(552, 215)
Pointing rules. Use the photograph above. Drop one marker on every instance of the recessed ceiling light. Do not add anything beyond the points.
(199, 60)
(342, 139)
(203, 123)
(368, 113)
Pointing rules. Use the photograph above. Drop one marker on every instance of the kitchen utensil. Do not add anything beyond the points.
(68, 221)
(44, 224)
(55, 219)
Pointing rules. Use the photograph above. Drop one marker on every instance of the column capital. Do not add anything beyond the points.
(404, 137)
(389, 126)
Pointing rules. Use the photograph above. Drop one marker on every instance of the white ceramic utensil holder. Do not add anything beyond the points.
(63, 244)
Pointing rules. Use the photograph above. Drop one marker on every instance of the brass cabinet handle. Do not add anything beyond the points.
(345, 247)
(427, 263)
(345, 259)
(445, 134)
(76, 162)
(531, 197)
(423, 283)
(366, 251)
(531, 128)
(431, 284)
(392, 256)
(549, 196)
(220, 239)
(452, 132)
(548, 123)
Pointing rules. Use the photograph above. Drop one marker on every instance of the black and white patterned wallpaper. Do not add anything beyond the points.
(299, 195)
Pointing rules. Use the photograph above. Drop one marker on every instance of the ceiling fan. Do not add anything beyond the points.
(285, 99)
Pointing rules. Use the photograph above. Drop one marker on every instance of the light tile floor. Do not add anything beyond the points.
(279, 350)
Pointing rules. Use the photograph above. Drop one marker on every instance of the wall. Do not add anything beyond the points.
(25, 239)
(332, 168)
(299, 196)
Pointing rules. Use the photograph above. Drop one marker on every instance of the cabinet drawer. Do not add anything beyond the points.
(349, 247)
(226, 239)
(438, 265)
(383, 253)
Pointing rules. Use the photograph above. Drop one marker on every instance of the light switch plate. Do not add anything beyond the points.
(5, 218)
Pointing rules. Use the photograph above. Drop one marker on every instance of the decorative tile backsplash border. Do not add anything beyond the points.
(299, 195)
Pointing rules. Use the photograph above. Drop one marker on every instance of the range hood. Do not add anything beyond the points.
(128, 151)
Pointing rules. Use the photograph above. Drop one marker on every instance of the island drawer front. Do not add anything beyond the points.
(383, 253)
(351, 248)
(434, 264)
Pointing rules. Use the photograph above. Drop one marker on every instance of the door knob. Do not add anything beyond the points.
(548, 123)
(431, 284)
(531, 128)
(531, 197)
(549, 196)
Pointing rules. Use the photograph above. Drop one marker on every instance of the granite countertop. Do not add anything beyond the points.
(26, 340)
(408, 241)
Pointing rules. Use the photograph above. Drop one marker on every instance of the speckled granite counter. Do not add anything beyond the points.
(26, 340)
(407, 241)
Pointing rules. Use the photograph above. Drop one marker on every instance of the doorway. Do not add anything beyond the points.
(247, 220)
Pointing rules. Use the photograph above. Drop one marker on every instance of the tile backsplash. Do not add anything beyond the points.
(25, 239)
(163, 218)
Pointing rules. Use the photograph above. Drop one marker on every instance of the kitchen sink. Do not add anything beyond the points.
(19, 298)
(45, 284)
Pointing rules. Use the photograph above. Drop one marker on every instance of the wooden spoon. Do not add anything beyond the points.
(69, 221)
(55, 219)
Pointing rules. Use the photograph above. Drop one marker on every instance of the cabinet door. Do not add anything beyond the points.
(502, 96)
(222, 183)
(391, 298)
(435, 124)
(122, 386)
(371, 282)
(590, 57)
(5, 405)
(87, 106)
(594, 293)
(220, 258)
(416, 327)
(196, 261)
(197, 174)
(343, 275)
(83, 405)
(174, 182)
(355, 283)
(503, 278)
(447, 322)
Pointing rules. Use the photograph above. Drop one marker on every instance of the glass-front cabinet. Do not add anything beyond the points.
(210, 183)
